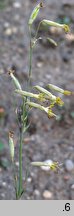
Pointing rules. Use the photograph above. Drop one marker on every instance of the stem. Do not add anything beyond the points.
(30, 62)
(20, 165)
(37, 30)
(15, 181)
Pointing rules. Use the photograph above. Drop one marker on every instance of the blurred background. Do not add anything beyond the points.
(46, 139)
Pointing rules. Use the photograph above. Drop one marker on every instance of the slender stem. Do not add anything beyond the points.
(20, 165)
(30, 62)
(15, 181)
(38, 30)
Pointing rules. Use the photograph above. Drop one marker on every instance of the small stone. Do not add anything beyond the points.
(2, 195)
(70, 37)
(6, 25)
(14, 30)
(47, 168)
(26, 140)
(4, 184)
(37, 193)
(66, 177)
(8, 32)
(17, 163)
(48, 76)
(16, 4)
(56, 31)
(29, 180)
(39, 64)
(47, 194)
(69, 165)
(28, 198)
(72, 186)
(65, 56)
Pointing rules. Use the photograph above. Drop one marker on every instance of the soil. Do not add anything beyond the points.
(46, 138)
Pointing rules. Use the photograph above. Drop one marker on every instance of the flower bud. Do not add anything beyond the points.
(52, 41)
(67, 92)
(51, 114)
(53, 166)
(35, 13)
(59, 101)
(48, 95)
(42, 108)
(27, 94)
(15, 80)
(55, 24)
(56, 88)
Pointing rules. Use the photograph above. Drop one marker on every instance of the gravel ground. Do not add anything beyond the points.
(47, 139)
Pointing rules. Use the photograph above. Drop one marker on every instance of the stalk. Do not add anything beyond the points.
(20, 165)
(30, 62)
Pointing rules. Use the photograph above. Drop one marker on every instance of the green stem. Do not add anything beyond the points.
(15, 181)
(37, 30)
(20, 165)
(30, 62)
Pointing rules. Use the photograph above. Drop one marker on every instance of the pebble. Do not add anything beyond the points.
(17, 4)
(70, 37)
(65, 57)
(48, 76)
(69, 165)
(39, 64)
(17, 163)
(72, 186)
(27, 140)
(10, 31)
(47, 194)
(56, 31)
(29, 180)
(6, 25)
(66, 177)
(47, 168)
(14, 30)
(2, 195)
(36, 193)
(4, 184)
